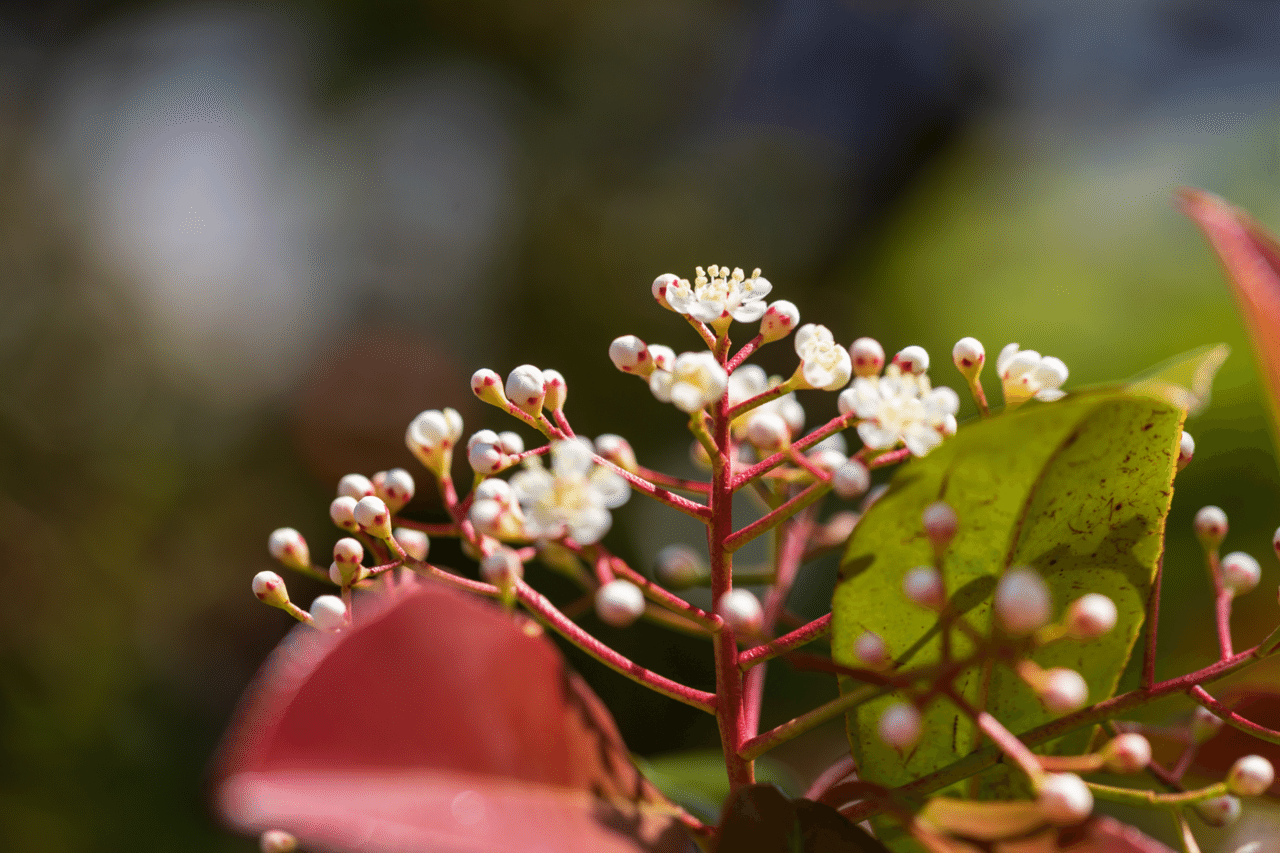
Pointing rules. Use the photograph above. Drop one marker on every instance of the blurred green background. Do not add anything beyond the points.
(242, 244)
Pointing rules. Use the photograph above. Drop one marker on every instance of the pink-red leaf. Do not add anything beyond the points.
(437, 723)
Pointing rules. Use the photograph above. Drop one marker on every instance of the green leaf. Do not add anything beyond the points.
(696, 779)
(1185, 380)
(1079, 489)
(760, 819)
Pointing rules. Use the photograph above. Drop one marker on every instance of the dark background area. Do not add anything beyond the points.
(242, 244)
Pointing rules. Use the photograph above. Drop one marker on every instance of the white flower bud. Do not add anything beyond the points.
(767, 431)
(414, 542)
(664, 357)
(899, 725)
(487, 385)
(555, 389)
(395, 487)
(485, 454)
(1127, 753)
(867, 356)
(1090, 616)
(679, 566)
(1219, 811)
(1062, 690)
(1064, 799)
(511, 442)
(631, 355)
(1186, 449)
(277, 841)
(1204, 724)
(741, 611)
(432, 435)
(912, 359)
(827, 459)
(356, 486)
(502, 568)
(779, 321)
(1211, 526)
(851, 479)
(660, 285)
(871, 652)
(969, 356)
(349, 551)
(342, 513)
(526, 388)
(824, 364)
(1250, 776)
(619, 603)
(940, 525)
(328, 613)
(617, 450)
(1275, 541)
(923, 586)
(287, 546)
(1022, 601)
(373, 517)
(1240, 572)
(345, 574)
(270, 589)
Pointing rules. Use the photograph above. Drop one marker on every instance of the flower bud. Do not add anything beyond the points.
(1204, 724)
(342, 513)
(1022, 601)
(871, 652)
(1090, 616)
(940, 525)
(969, 356)
(767, 431)
(270, 589)
(1240, 572)
(373, 517)
(277, 841)
(431, 436)
(526, 388)
(1275, 541)
(356, 486)
(345, 574)
(349, 551)
(741, 611)
(287, 546)
(1211, 526)
(827, 459)
(679, 566)
(631, 355)
(556, 389)
(1250, 776)
(779, 321)
(485, 454)
(617, 450)
(502, 568)
(867, 356)
(414, 542)
(1127, 753)
(912, 359)
(487, 385)
(660, 285)
(1219, 811)
(395, 487)
(1062, 690)
(619, 603)
(1186, 449)
(328, 613)
(664, 357)
(899, 725)
(1064, 798)
(851, 479)
(923, 586)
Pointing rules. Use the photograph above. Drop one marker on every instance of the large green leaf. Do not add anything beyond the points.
(1078, 489)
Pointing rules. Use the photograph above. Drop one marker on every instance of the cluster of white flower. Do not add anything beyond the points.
(716, 296)
(901, 407)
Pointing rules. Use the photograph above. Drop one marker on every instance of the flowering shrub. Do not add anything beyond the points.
(988, 603)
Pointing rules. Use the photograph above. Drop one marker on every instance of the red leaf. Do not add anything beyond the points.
(437, 723)
(1251, 258)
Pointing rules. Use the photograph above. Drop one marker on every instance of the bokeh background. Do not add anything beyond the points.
(242, 244)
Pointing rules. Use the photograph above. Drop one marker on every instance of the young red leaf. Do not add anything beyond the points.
(437, 723)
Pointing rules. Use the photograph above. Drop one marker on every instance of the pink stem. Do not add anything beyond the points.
(762, 467)
(843, 767)
(688, 507)
(744, 353)
(775, 517)
(1153, 625)
(758, 400)
(1222, 610)
(672, 602)
(785, 643)
(890, 458)
(1199, 694)
(803, 461)
(563, 422)
(660, 479)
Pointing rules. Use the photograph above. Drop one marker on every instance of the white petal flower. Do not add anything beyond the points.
(695, 381)
(900, 408)
(1025, 374)
(718, 295)
(573, 498)
(823, 363)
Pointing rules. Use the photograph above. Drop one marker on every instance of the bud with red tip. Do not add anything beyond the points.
(1061, 690)
(348, 551)
(923, 586)
(631, 355)
(526, 387)
(940, 525)
(413, 542)
(741, 611)
(779, 321)
(969, 357)
(1219, 811)
(433, 434)
(867, 356)
(912, 359)
(288, 546)
(871, 652)
(1186, 450)
(502, 568)
(1250, 776)
(356, 486)
(395, 487)
(1211, 526)
(557, 390)
(1090, 616)
(1204, 724)
(679, 566)
(487, 385)
(342, 513)
(270, 589)
(277, 841)
(851, 480)
(1240, 572)
(619, 603)
(617, 450)
(373, 517)
(1127, 753)
(660, 285)
(900, 725)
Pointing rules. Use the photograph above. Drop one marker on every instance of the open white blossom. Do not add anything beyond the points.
(573, 498)
(718, 295)
(1025, 374)
(823, 362)
(901, 408)
(695, 381)
(749, 381)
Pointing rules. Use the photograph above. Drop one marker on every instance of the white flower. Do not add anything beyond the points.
(695, 381)
(571, 499)
(901, 408)
(823, 363)
(1025, 374)
(718, 295)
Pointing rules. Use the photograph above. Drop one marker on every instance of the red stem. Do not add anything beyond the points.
(890, 458)
(744, 353)
(563, 422)
(672, 602)
(437, 529)
(785, 643)
(767, 464)
(1199, 694)
(660, 479)
(765, 523)
(758, 400)
(1222, 612)
(688, 507)
(1153, 625)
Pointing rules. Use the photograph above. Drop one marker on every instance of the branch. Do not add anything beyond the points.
(644, 487)
(1231, 718)
(744, 353)
(785, 643)
(767, 464)
(766, 523)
